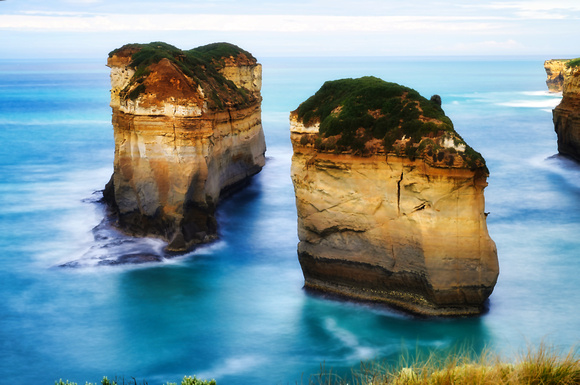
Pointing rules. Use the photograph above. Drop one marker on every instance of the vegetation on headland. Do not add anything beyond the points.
(356, 114)
(188, 380)
(201, 65)
(542, 366)
(573, 63)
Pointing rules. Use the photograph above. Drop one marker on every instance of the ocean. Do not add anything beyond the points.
(235, 310)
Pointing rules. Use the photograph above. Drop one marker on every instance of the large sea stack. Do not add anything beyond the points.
(390, 200)
(567, 114)
(187, 127)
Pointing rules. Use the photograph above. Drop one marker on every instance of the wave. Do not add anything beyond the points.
(544, 100)
(349, 340)
(232, 366)
(543, 104)
(542, 93)
(566, 168)
(30, 123)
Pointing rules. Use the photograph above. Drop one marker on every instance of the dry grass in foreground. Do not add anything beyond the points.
(541, 366)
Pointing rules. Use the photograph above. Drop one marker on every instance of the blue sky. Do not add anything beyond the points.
(92, 28)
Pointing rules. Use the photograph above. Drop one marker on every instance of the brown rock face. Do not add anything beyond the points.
(556, 70)
(385, 227)
(180, 143)
(567, 116)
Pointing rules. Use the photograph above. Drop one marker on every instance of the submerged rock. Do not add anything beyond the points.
(187, 127)
(566, 115)
(390, 200)
(111, 247)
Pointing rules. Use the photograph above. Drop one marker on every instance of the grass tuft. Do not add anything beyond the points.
(541, 366)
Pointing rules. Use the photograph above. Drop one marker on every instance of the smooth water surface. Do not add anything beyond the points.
(235, 310)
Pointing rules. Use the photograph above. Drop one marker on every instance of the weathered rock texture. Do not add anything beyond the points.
(556, 70)
(567, 115)
(187, 127)
(375, 224)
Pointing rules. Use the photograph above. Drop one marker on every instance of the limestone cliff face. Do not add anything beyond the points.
(379, 225)
(184, 135)
(556, 70)
(567, 115)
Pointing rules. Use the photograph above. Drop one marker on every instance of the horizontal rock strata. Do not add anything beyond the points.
(566, 115)
(378, 225)
(187, 128)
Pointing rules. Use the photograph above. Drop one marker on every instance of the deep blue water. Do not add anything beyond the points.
(235, 310)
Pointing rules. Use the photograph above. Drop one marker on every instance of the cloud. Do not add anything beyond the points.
(78, 22)
(535, 10)
(537, 5)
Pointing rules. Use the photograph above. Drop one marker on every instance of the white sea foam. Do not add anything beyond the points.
(544, 100)
(542, 93)
(543, 103)
(566, 168)
(233, 366)
(350, 340)
(210, 248)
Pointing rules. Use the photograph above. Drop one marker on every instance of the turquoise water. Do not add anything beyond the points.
(235, 310)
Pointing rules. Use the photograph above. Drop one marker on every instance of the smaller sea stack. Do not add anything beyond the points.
(390, 200)
(188, 130)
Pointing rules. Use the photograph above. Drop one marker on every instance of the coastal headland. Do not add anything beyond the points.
(566, 115)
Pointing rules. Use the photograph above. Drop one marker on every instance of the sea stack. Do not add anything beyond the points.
(390, 200)
(187, 128)
(566, 115)
(556, 69)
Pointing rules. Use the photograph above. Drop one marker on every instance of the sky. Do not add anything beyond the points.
(92, 28)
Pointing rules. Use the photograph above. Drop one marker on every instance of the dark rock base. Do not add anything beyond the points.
(405, 291)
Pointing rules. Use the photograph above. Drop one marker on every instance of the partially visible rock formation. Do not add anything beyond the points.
(556, 70)
(390, 200)
(567, 114)
(187, 128)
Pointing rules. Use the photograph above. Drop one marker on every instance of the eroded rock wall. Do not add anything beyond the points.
(556, 71)
(566, 115)
(177, 154)
(393, 230)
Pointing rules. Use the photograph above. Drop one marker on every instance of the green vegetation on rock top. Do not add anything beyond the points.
(201, 65)
(353, 112)
(156, 50)
(574, 62)
(219, 51)
(187, 380)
